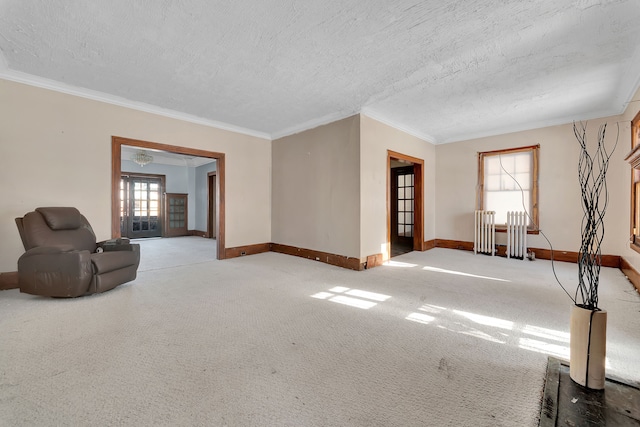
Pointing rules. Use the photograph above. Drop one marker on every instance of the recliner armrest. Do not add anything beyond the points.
(118, 241)
(120, 244)
(123, 247)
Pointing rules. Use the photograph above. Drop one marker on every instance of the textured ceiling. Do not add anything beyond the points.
(442, 70)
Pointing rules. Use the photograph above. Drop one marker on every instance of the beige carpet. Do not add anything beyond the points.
(437, 338)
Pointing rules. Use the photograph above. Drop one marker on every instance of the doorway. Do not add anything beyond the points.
(402, 209)
(404, 204)
(116, 170)
(141, 205)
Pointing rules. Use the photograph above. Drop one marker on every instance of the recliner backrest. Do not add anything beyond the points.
(56, 226)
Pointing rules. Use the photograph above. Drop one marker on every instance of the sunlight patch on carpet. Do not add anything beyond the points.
(547, 341)
(399, 264)
(549, 334)
(420, 318)
(486, 320)
(352, 297)
(460, 273)
(544, 347)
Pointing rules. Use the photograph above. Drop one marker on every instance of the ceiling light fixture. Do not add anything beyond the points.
(142, 158)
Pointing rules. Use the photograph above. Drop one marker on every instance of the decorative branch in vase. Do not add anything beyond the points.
(588, 321)
(592, 171)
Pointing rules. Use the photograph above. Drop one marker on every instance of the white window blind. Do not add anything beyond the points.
(501, 192)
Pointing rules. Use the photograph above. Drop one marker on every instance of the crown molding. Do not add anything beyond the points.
(380, 118)
(562, 121)
(41, 82)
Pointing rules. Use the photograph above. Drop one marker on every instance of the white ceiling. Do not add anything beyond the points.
(441, 70)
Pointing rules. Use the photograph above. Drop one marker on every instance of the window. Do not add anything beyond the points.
(498, 190)
(634, 159)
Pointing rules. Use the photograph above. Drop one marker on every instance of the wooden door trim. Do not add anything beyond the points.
(418, 170)
(116, 158)
(210, 204)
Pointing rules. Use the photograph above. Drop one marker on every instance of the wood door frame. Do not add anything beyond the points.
(116, 169)
(418, 213)
(212, 177)
(395, 238)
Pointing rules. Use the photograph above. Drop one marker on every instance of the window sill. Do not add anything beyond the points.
(635, 246)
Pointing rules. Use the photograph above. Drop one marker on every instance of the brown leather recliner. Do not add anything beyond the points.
(63, 259)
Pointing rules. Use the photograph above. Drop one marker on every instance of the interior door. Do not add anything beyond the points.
(140, 205)
(402, 209)
(176, 213)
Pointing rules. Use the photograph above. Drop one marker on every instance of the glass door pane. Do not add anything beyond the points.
(176, 214)
(405, 204)
(144, 202)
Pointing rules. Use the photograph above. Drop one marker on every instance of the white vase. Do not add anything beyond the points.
(588, 347)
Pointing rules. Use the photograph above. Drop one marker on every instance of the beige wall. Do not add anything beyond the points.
(55, 149)
(559, 202)
(376, 139)
(316, 188)
(322, 189)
